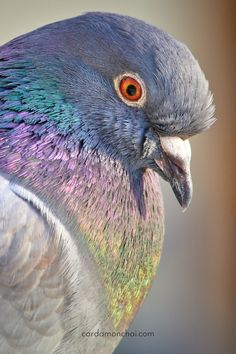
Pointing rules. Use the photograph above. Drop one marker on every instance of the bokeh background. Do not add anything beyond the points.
(191, 304)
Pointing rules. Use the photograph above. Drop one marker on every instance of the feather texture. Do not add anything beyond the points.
(81, 211)
(40, 283)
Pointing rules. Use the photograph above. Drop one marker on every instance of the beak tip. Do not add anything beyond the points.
(185, 206)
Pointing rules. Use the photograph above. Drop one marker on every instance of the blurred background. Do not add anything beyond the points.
(191, 306)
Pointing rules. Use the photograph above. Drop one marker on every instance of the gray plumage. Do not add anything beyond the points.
(81, 212)
(38, 281)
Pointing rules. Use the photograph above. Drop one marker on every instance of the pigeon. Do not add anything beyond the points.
(93, 110)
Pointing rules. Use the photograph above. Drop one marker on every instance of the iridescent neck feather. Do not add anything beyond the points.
(119, 213)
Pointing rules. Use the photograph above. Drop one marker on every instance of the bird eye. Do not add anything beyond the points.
(130, 89)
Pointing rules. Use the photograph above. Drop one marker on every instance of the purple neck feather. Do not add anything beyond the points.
(119, 213)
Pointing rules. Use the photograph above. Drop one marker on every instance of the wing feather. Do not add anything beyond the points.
(49, 287)
(32, 291)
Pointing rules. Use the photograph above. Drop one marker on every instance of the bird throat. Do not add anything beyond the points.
(118, 213)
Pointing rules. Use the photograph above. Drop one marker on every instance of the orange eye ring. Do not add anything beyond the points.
(131, 89)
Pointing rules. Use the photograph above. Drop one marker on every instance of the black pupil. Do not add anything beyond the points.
(131, 90)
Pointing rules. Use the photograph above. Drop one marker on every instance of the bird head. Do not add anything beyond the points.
(136, 93)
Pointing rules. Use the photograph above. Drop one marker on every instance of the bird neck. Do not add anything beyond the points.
(119, 213)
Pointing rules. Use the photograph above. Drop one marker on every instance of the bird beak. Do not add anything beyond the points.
(174, 165)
